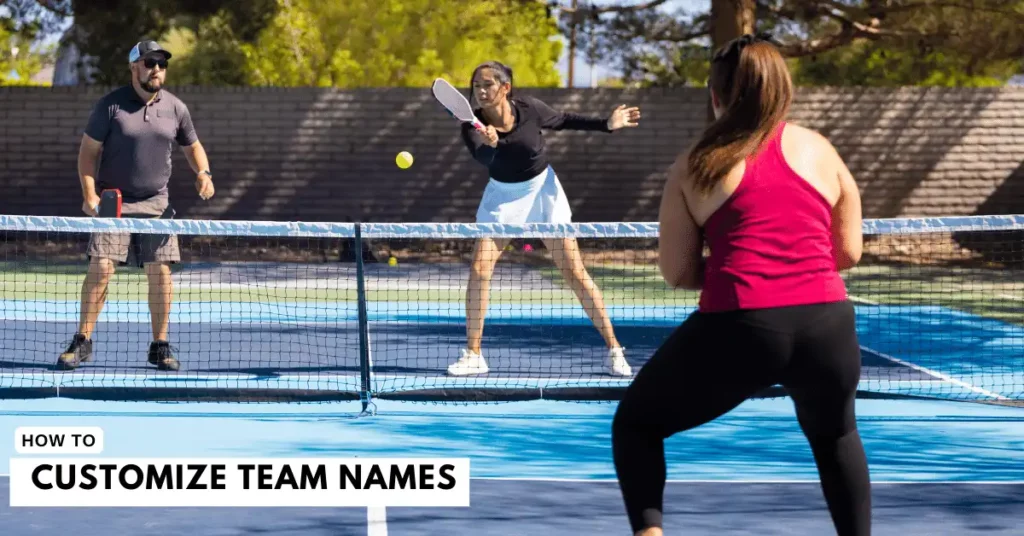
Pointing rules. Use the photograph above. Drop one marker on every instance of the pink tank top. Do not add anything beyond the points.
(771, 242)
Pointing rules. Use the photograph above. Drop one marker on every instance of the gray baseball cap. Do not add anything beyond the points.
(145, 47)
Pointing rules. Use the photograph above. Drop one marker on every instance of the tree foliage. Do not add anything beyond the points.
(376, 43)
(351, 43)
(45, 16)
(21, 31)
(357, 43)
(105, 30)
(829, 42)
(110, 27)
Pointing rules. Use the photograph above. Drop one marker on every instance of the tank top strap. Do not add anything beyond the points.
(770, 152)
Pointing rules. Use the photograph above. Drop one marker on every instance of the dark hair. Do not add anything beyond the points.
(502, 72)
(752, 82)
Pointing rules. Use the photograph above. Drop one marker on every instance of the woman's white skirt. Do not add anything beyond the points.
(538, 200)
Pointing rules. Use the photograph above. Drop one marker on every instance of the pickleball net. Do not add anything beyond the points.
(306, 311)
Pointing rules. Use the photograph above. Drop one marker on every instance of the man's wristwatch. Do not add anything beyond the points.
(207, 173)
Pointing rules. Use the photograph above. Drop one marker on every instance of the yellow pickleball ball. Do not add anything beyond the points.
(392, 261)
(404, 160)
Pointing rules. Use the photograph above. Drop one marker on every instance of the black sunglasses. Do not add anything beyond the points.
(153, 62)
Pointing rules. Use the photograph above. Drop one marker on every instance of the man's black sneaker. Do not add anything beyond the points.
(160, 355)
(79, 351)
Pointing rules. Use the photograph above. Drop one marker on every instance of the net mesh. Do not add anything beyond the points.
(271, 311)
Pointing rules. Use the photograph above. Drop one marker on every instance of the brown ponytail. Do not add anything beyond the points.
(752, 82)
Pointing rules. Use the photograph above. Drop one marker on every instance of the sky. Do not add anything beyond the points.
(584, 71)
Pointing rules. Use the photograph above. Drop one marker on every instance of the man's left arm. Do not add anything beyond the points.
(194, 153)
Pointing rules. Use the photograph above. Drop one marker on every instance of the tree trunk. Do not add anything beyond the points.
(729, 20)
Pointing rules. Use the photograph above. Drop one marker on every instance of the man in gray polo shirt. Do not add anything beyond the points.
(127, 146)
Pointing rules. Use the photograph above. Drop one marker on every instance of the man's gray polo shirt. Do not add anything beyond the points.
(137, 141)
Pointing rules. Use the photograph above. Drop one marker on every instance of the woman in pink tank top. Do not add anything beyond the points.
(780, 214)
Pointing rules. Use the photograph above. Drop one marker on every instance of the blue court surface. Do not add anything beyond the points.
(541, 467)
(538, 467)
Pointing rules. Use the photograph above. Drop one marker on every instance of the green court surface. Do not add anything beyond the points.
(991, 293)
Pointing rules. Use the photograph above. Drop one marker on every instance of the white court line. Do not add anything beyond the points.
(865, 301)
(376, 521)
(937, 374)
(1011, 297)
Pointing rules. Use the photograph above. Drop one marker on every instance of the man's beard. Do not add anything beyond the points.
(151, 85)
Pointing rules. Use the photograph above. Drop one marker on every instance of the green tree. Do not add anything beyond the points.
(152, 18)
(23, 25)
(208, 53)
(20, 60)
(378, 43)
(104, 30)
(943, 45)
(829, 42)
(344, 43)
(873, 64)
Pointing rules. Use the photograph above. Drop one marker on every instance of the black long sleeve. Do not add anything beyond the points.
(477, 145)
(555, 120)
(520, 154)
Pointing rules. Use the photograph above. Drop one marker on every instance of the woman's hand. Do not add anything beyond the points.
(490, 136)
(623, 117)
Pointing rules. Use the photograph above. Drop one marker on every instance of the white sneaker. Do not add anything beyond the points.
(470, 363)
(617, 364)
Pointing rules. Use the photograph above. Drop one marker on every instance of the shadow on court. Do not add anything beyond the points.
(427, 346)
(516, 508)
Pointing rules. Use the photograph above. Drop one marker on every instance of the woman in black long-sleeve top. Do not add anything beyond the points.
(523, 188)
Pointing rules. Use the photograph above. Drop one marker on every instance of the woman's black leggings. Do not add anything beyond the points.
(715, 361)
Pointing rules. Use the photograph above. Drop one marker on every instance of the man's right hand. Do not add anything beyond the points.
(91, 205)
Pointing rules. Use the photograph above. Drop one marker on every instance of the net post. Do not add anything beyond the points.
(364, 333)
